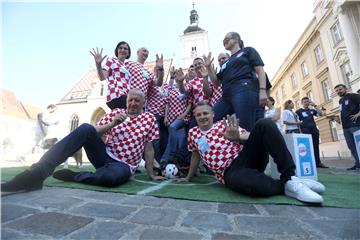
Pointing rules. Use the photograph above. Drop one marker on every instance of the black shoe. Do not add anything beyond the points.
(352, 168)
(65, 175)
(321, 165)
(29, 180)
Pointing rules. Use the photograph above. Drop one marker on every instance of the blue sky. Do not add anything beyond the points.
(45, 46)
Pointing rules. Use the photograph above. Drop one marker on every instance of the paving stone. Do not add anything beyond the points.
(234, 208)
(12, 211)
(55, 202)
(20, 197)
(341, 229)
(103, 230)
(337, 213)
(104, 196)
(190, 205)
(144, 200)
(284, 211)
(151, 234)
(270, 225)
(156, 216)
(104, 210)
(225, 236)
(50, 223)
(10, 234)
(207, 221)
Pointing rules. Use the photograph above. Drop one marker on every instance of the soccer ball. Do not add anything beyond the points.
(170, 171)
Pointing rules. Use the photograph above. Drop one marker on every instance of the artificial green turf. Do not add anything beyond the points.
(341, 190)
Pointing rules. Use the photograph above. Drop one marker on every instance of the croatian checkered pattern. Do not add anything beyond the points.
(157, 99)
(216, 95)
(140, 77)
(126, 141)
(221, 152)
(177, 105)
(118, 80)
(195, 88)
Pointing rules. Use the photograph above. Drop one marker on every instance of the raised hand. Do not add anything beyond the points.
(232, 130)
(98, 55)
(172, 72)
(159, 62)
(208, 60)
(202, 72)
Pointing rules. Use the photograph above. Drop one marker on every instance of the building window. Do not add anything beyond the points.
(193, 52)
(310, 95)
(336, 33)
(283, 92)
(333, 129)
(294, 81)
(304, 69)
(346, 73)
(74, 122)
(326, 89)
(297, 103)
(318, 54)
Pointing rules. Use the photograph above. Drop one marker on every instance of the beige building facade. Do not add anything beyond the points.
(326, 54)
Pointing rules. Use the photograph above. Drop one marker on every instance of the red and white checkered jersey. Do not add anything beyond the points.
(216, 151)
(177, 105)
(126, 141)
(140, 77)
(118, 80)
(195, 88)
(216, 94)
(156, 100)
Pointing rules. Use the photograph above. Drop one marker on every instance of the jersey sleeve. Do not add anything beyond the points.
(154, 130)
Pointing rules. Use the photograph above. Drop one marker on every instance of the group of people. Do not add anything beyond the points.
(217, 117)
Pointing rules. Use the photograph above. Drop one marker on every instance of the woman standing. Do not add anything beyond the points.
(243, 82)
(290, 119)
(272, 112)
(115, 73)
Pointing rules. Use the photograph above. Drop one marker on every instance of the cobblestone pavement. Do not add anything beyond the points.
(63, 213)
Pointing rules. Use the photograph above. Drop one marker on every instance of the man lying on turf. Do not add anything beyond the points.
(129, 131)
(239, 158)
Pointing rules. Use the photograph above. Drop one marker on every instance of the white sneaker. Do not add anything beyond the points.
(312, 184)
(301, 192)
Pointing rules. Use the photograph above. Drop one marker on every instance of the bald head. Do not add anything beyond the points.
(142, 54)
(135, 101)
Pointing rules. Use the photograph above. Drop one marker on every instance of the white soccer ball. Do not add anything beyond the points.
(171, 171)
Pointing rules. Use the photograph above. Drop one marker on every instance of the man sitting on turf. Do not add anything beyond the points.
(239, 158)
(130, 133)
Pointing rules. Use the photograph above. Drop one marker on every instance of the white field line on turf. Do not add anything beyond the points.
(154, 188)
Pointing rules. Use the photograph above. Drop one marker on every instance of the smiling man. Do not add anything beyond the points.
(239, 158)
(129, 132)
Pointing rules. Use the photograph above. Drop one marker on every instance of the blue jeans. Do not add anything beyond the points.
(350, 141)
(160, 143)
(243, 100)
(109, 172)
(177, 138)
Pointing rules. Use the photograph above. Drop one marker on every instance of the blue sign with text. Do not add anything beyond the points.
(305, 157)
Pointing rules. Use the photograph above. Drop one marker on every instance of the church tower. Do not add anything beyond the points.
(194, 42)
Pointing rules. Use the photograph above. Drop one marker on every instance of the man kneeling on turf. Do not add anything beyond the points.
(239, 158)
(130, 133)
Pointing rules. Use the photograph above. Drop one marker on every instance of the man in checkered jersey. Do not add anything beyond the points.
(193, 88)
(130, 133)
(239, 158)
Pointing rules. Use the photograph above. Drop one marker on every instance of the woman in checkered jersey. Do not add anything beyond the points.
(238, 158)
(115, 73)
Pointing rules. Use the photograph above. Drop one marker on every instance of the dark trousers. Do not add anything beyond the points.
(109, 172)
(315, 138)
(117, 103)
(160, 143)
(242, 99)
(246, 173)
